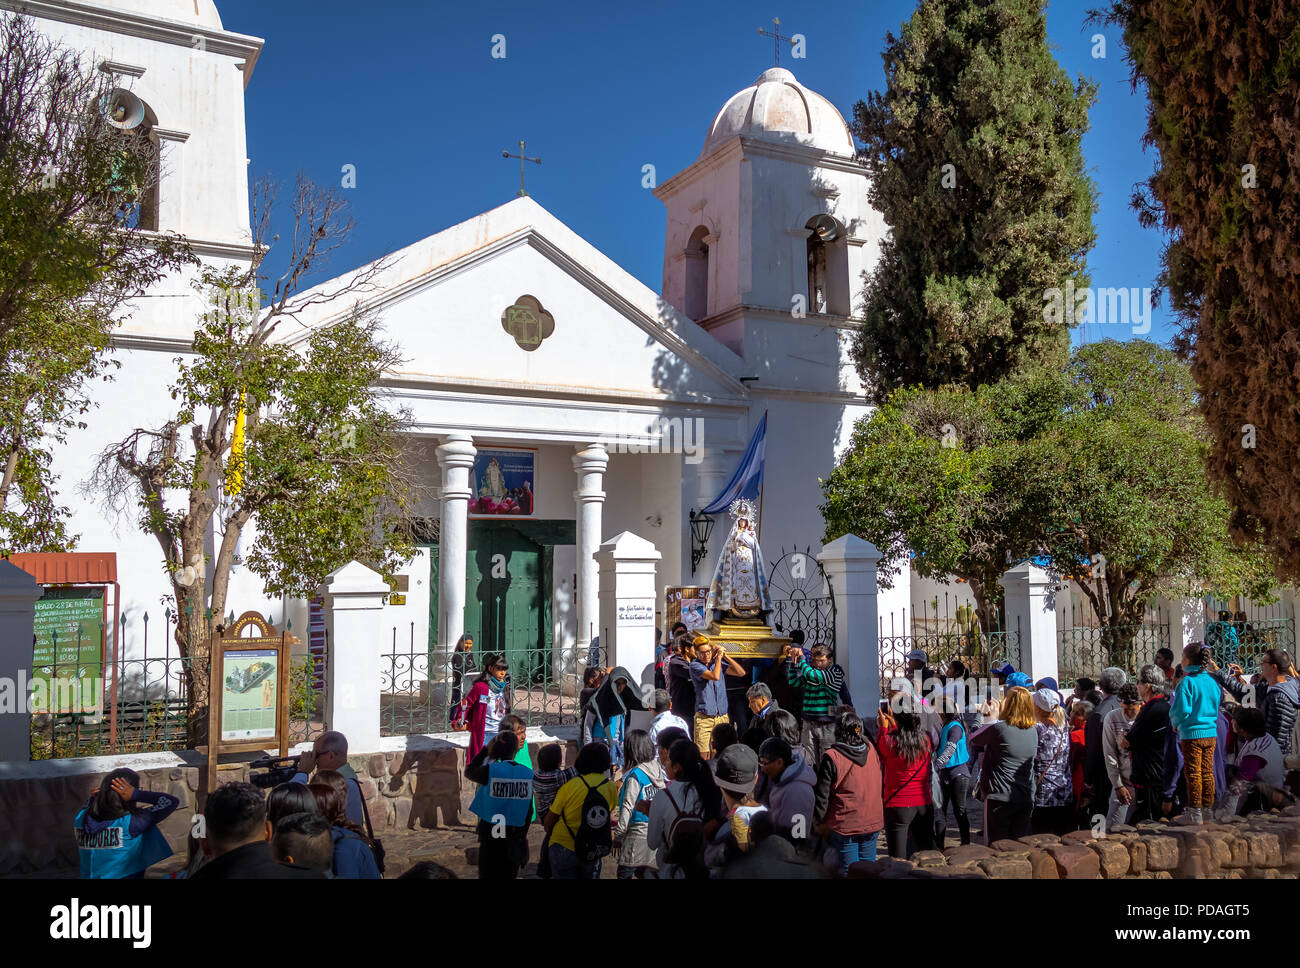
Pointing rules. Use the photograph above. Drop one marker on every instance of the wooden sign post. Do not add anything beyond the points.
(248, 691)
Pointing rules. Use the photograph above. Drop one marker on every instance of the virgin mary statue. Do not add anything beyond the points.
(739, 586)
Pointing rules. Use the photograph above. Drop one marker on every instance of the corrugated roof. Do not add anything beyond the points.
(69, 567)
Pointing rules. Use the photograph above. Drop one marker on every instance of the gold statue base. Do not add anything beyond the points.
(747, 640)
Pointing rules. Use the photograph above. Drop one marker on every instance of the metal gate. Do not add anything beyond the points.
(802, 597)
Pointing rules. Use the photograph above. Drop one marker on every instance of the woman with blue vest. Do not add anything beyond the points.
(503, 804)
(952, 761)
(640, 787)
(1194, 713)
(117, 830)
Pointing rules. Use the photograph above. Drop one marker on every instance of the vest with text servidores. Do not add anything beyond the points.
(508, 794)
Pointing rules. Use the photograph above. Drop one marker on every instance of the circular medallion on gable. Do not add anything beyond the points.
(527, 322)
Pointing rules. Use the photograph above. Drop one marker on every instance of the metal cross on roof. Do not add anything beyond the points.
(522, 159)
(776, 38)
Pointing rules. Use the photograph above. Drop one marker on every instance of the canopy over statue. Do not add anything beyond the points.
(738, 601)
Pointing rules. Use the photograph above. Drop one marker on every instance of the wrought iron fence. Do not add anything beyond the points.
(802, 597)
(1086, 650)
(118, 706)
(977, 651)
(141, 705)
(816, 616)
(1240, 631)
(421, 688)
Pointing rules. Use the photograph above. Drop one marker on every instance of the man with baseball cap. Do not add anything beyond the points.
(735, 775)
(916, 664)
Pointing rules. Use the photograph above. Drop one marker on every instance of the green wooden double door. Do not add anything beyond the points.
(509, 583)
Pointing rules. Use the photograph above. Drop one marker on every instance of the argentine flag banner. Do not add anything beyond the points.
(748, 478)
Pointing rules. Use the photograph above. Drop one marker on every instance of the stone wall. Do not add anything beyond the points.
(1263, 845)
(421, 786)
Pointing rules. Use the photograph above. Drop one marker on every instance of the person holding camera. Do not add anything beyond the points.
(821, 681)
(707, 671)
(330, 752)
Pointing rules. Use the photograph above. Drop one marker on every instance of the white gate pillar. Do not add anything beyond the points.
(850, 564)
(353, 599)
(1031, 609)
(18, 594)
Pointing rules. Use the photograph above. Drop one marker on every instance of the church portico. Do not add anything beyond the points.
(583, 491)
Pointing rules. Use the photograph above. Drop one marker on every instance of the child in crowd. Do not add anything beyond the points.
(486, 704)
(551, 774)
(505, 793)
(1080, 710)
(117, 830)
(641, 785)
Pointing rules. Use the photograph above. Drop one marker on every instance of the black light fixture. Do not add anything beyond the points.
(701, 528)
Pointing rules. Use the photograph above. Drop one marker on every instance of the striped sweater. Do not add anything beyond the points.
(821, 687)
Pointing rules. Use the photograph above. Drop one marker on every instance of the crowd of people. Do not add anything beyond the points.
(716, 788)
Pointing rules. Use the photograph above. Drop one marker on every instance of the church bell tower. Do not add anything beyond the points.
(771, 224)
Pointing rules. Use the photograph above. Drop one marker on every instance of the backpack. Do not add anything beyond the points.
(593, 839)
(685, 833)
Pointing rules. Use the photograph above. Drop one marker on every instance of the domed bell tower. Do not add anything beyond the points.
(771, 224)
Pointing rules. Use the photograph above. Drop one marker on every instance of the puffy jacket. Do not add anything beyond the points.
(1194, 710)
(1280, 705)
(792, 799)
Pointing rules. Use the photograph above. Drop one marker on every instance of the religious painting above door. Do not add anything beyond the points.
(527, 322)
(503, 482)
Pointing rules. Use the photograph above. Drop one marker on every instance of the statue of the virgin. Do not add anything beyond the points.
(739, 587)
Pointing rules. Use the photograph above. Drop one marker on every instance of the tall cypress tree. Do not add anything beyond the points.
(976, 165)
(1224, 86)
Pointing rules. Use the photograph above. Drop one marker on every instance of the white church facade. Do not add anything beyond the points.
(556, 400)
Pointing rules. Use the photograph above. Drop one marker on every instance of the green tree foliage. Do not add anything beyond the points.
(322, 475)
(951, 475)
(975, 160)
(1098, 467)
(73, 250)
(1224, 114)
(1134, 514)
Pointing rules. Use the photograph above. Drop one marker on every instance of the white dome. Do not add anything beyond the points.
(199, 13)
(778, 108)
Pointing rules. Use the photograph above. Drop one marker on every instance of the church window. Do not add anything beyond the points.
(136, 202)
(697, 274)
(828, 266)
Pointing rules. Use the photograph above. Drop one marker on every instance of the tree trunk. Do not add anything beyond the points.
(988, 604)
(1120, 613)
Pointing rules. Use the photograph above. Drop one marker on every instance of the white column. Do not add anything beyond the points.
(711, 474)
(1031, 608)
(456, 458)
(627, 605)
(589, 464)
(353, 597)
(850, 564)
(18, 594)
(1186, 622)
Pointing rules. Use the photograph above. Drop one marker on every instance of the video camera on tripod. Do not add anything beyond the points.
(279, 769)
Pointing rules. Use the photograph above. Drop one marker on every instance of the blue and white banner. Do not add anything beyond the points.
(748, 479)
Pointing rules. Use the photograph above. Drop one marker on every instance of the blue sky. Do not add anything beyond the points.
(409, 93)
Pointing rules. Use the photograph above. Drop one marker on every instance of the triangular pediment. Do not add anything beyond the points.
(514, 298)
